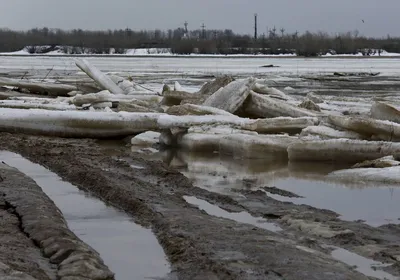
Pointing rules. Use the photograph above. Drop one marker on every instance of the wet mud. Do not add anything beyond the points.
(40, 244)
(202, 244)
(129, 250)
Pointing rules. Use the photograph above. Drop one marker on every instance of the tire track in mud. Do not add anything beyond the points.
(42, 225)
(198, 245)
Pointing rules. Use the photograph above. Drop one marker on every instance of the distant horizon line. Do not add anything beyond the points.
(354, 31)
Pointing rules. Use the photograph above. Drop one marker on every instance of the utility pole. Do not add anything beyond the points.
(255, 27)
(203, 28)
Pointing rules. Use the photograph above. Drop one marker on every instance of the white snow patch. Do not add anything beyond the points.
(149, 51)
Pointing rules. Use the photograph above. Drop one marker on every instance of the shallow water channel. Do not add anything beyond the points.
(243, 217)
(373, 203)
(376, 204)
(130, 251)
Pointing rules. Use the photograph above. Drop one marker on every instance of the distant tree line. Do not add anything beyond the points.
(197, 41)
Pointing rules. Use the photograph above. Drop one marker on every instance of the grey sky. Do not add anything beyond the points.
(380, 16)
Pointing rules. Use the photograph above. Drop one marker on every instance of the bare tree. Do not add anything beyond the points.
(215, 41)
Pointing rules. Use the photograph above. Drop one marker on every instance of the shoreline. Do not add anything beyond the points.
(198, 56)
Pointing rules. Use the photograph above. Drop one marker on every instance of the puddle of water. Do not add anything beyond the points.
(130, 251)
(363, 265)
(377, 205)
(242, 217)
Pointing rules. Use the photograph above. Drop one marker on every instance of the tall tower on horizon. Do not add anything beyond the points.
(255, 27)
(203, 28)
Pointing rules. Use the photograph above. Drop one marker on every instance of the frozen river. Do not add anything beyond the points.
(204, 66)
(193, 71)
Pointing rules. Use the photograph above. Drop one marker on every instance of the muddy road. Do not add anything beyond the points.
(207, 235)
(35, 240)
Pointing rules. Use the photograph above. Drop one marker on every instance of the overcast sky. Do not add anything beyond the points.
(381, 17)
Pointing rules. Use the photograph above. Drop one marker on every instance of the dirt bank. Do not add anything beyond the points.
(201, 246)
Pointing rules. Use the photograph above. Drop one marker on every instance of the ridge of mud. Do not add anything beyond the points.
(198, 245)
(19, 257)
(41, 222)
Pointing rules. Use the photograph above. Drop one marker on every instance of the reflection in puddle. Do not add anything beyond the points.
(363, 265)
(375, 205)
(242, 217)
(131, 251)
